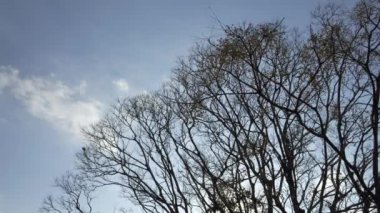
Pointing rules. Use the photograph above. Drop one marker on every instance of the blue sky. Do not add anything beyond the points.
(63, 63)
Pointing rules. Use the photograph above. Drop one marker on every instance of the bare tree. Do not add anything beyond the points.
(260, 120)
(76, 196)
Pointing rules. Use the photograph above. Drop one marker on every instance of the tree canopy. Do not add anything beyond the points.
(263, 119)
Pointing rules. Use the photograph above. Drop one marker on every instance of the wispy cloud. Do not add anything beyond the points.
(121, 84)
(52, 100)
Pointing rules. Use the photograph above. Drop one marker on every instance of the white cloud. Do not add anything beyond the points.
(7, 77)
(82, 87)
(121, 85)
(52, 100)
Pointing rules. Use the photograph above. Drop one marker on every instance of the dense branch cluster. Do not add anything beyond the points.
(261, 120)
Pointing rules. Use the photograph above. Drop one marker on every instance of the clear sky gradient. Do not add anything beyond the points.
(64, 62)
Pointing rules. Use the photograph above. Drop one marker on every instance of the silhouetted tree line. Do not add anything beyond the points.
(264, 119)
